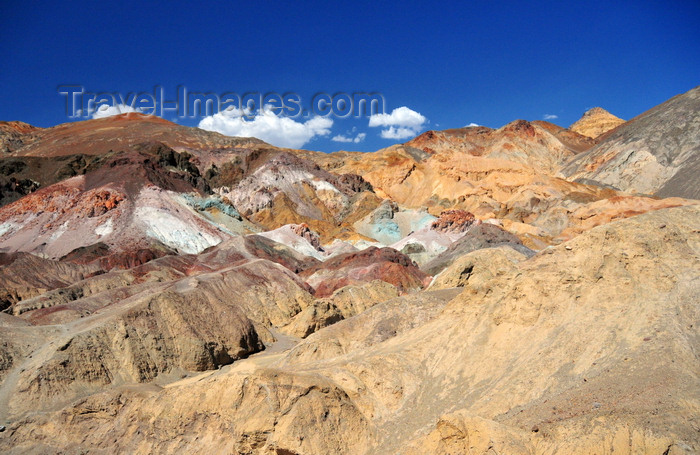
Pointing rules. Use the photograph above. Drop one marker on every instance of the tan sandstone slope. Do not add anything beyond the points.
(595, 122)
(587, 347)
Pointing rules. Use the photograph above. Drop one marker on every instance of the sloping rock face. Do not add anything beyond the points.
(14, 135)
(584, 347)
(50, 155)
(479, 266)
(268, 185)
(169, 290)
(287, 189)
(168, 316)
(385, 264)
(512, 173)
(595, 122)
(127, 202)
(657, 152)
(484, 235)
(435, 237)
(120, 132)
(344, 303)
(63, 217)
(389, 223)
(23, 276)
(305, 232)
(533, 144)
(299, 237)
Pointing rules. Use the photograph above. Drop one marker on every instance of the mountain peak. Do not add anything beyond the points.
(594, 122)
(595, 111)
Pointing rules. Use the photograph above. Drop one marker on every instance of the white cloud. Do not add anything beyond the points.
(401, 116)
(550, 117)
(106, 110)
(342, 138)
(471, 124)
(402, 123)
(268, 126)
(398, 133)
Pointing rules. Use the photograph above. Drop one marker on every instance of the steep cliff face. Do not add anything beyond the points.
(657, 152)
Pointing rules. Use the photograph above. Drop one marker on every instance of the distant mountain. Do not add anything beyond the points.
(657, 152)
(595, 122)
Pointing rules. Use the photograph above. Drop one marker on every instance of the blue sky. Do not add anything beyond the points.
(454, 63)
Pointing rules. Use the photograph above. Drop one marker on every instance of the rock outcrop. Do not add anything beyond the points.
(14, 135)
(288, 189)
(453, 221)
(512, 174)
(595, 122)
(344, 303)
(477, 267)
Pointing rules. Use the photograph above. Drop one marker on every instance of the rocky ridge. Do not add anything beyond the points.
(654, 153)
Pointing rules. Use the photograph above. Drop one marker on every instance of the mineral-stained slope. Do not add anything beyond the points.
(99, 136)
(484, 235)
(512, 173)
(385, 264)
(80, 212)
(287, 189)
(657, 152)
(24, 276)
(588, 347)
(169, 290)
(269, 186)
(190, 314)
(14, 135)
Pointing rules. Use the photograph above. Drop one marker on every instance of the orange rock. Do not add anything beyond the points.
(453, 221)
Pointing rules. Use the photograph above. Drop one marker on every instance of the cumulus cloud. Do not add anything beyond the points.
(550, 117)
(343, 138)
(106, 110)
(402, 123)
(398, 133)
(268, 126)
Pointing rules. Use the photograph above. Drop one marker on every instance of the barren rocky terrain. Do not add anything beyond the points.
(530, 289)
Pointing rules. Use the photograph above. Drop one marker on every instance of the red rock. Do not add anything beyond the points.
(303, 230)
(453, 221)
(385, 264)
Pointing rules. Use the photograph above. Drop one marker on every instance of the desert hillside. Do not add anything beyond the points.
(657, 152)
(529, 289)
